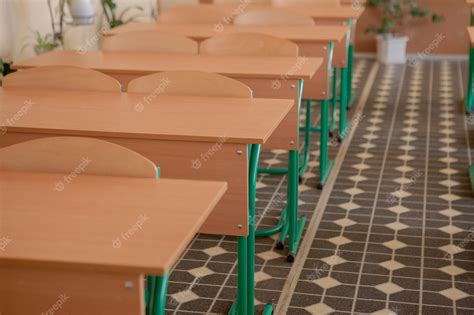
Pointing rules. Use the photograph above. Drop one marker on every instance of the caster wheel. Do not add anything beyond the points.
(300, 179)
(290, 258)
(348, 108)
(331, 134)
(280, 245)
(339, 139)
(320, 186)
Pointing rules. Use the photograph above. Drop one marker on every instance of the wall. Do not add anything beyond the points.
(20, 19)
(423, 33)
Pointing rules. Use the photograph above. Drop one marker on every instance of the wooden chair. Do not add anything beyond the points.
(272, 17)
(196, 14)
(248, 44)
(62, 77)
(282, 3)
(65, 154)
(192, 83)
(150, 41)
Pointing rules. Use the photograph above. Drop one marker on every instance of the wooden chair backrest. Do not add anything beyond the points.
(197, 14)
(74, 155)
(191, 83)
(248, 44)
(150, 42)
(62, 77)
(272, 17)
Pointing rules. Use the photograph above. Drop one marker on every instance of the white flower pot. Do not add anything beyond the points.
(392, 49)
(82, 11)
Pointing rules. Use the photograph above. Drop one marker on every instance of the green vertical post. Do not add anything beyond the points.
(471, 174)
(159, 295)
(469, 96)
(343, 125)
(334, 101)
(350, 65)
(292, 203)
(323, 155)
(253, 171)
(241, 306)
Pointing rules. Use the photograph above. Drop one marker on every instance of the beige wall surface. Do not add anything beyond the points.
(447, 37)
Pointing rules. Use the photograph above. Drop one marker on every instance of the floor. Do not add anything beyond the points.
(391, 233)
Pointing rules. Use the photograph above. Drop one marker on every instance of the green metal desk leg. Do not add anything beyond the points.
(159, 296)
(350, 65)
(343, 124)
(253, 172)
(295, 226)
(469, 96)
(245, 305)
(304, 158)
(325, 164)
(332, 124)
(471, 173)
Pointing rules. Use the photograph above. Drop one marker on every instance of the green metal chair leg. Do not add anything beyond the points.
(325, 164)
(469, 96)
(158, 300)
(343, 124)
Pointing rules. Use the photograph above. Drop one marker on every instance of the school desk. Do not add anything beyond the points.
(205, 138)
(325, 41)
(87, 248)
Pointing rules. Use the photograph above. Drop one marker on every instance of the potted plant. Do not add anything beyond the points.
(82, 11)
(391, 46)
(110, 12)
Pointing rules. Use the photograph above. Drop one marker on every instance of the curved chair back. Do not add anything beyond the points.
(67, 154)
(272, 17)
(62, 77)
(192, 83)
(150, 42)
(196, 14)
(248, 44)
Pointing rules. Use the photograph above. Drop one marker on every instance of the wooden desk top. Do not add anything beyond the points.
(147, 63)
(345, 12)
(314, 34)
(470, 31)
(101, 222)
(178, 118)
